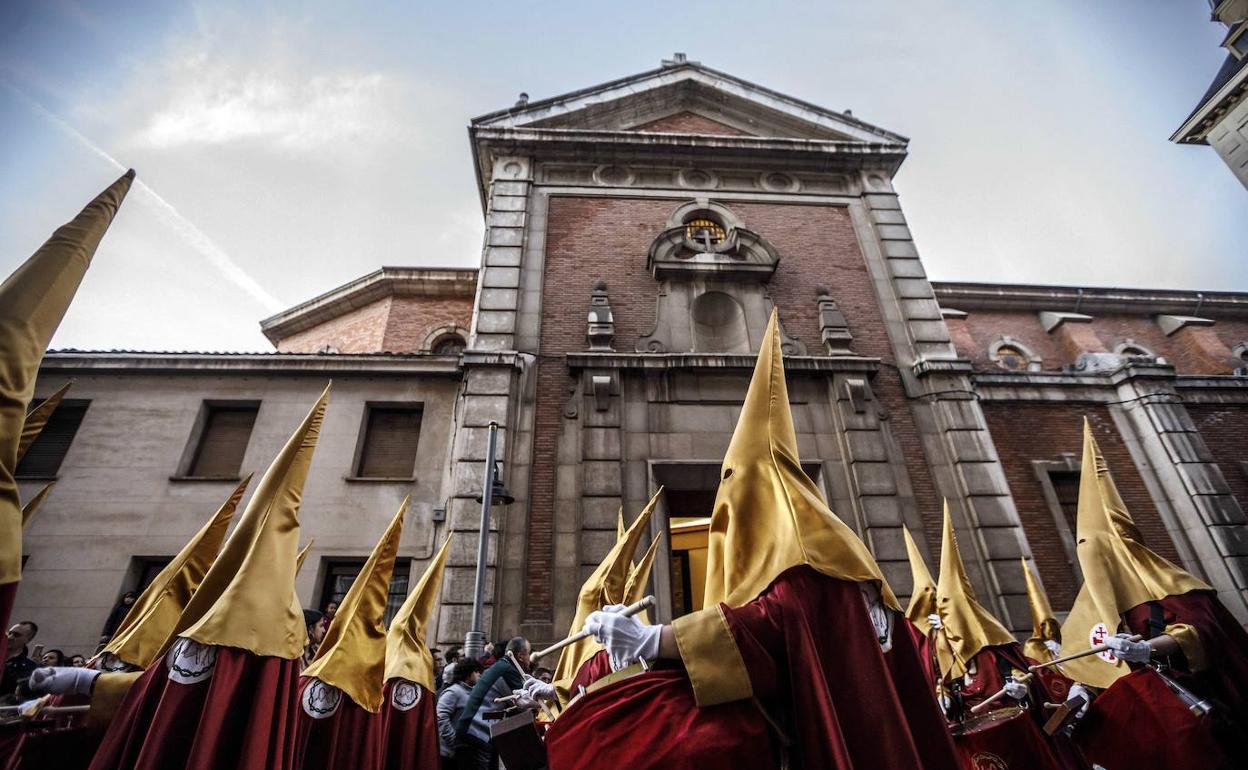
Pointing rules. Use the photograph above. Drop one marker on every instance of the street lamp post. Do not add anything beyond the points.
(493, 493)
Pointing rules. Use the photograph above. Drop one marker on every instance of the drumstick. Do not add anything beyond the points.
(53, 709)
(627, 612)
(998, 695)
(1095, 650)
(546, 710)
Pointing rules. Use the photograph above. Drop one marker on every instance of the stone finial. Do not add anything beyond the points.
(522, 100)
(833, 327)
(601, 329)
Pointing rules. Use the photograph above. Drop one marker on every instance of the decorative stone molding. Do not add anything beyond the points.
(1097, 363)
(1034, 362)
(438, 332)
(739, 254)
(1129, 348)
(1173, 323)
(949, 313)
(1051, 319)
(601, 327)
(833, 328)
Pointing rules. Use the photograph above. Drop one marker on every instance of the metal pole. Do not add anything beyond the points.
(474, 642)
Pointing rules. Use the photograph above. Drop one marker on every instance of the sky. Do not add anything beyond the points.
(285, 148)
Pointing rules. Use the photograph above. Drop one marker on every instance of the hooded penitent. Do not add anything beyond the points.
(923, 595)
(352, 657)
(606, 585)
(32, 505)
(1044, 625)
(769, 516)
(146, 628)
(32, 302)
(407, 652)
(968, 626)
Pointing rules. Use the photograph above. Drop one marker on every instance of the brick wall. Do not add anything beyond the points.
(397, 324)
(1032, 431)
(592, 238)
(689, 123)
(986, 327)
(1224, 428)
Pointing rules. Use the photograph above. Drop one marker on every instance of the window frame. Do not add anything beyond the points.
(1066, 463)
(327, 574)
(85, 405)
(194, 444)
(361, 442)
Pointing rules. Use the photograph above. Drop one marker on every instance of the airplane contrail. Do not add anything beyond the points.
(194, 237)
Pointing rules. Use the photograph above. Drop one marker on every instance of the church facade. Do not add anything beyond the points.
(638, 235)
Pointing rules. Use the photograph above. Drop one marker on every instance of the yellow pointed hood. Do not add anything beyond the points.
(32, 505)
(1044, 625)
(407, 652)
(639, 574)
(923, 596)
(37, 419)
(146, 627)
(605, 585)
(1083, 629)
(303, 556)
(352, 656)
(1118, 569)
(968, 626)
(32, 302)
(769, 516)
(247, 599)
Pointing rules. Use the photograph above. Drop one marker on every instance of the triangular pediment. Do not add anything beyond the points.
(689, 98)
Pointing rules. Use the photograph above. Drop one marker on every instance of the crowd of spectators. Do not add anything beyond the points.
(25, 656)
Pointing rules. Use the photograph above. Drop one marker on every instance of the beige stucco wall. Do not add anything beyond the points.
(115, 500)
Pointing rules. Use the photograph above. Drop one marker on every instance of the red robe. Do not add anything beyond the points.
(840, 699)
(1021, 744)
(411, 731)
(242, 717)
(1139, 717)
(351, 737)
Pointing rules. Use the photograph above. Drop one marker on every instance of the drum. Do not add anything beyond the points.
(1003, 739)
(1138, 722)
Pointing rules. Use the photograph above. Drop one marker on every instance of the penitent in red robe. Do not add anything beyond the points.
(351, 737)
(815, 665)
(1138, 717)
(411, 727)
(242, 716)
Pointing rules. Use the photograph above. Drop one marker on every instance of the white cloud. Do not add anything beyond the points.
(213, 105)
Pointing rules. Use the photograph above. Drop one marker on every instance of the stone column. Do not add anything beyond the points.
(498, 290)
(1207, 524)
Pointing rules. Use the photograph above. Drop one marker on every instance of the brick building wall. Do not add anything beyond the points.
(357, 331)
(412, 319)
(981, 328)
(398, 324)
(1024, 432)
(1224, 428)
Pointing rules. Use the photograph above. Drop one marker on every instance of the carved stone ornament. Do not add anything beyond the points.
(732, 253)
(601, 328)
(833, 327)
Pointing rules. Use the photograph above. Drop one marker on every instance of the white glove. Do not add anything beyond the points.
(625, 638)
(538, 690)
(1079, 691)
(1015, 690)
(62, 680)
(523, 700)
(934, 621)
(1053, 647)
(1132, 652)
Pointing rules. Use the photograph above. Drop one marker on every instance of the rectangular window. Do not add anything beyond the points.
(388, 448)
(341, 573)
(223, 438)
(43, 458)
(1066, 488)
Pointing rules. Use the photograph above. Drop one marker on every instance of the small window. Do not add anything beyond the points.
(1012, 358)
(223, 440)
(340, 573)
(705, 231)
(44, 457)
(449, 345)
(1066, 488)
(388, 448)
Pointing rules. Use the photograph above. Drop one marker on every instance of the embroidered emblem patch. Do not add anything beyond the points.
(190, 662)
(1098, 635)
(405, 696)
(321, 700)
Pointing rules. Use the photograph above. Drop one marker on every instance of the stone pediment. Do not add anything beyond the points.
(686, 97)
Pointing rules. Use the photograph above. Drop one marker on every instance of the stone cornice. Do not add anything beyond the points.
(722, 361)
(133, 362)
(1081, 299)
(386, 282)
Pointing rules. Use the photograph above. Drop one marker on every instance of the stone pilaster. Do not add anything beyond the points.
(494, 320)
(1207, 524)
